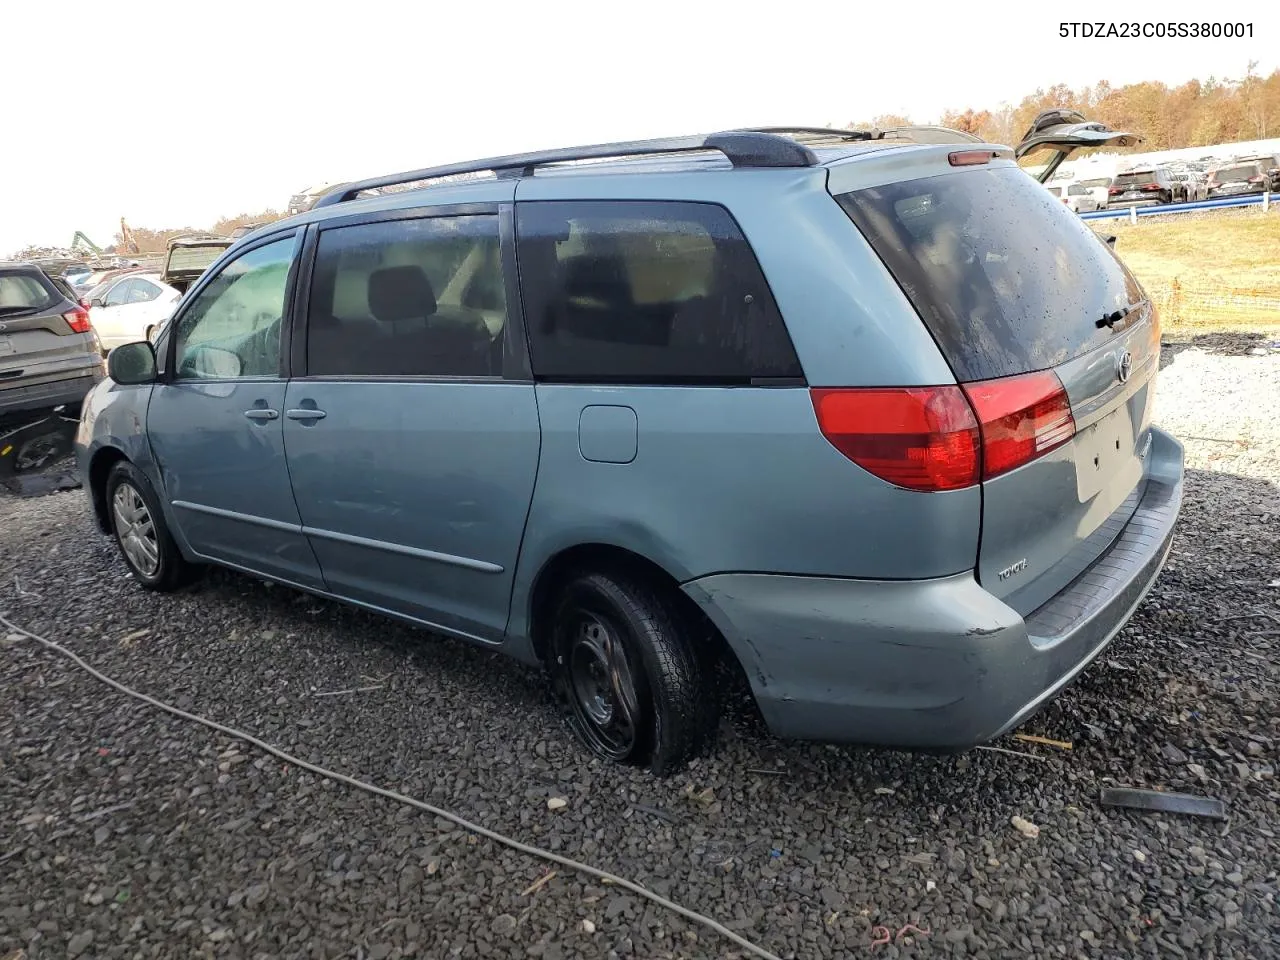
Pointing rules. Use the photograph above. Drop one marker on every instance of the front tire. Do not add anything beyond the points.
(632, 682)
(145, 543)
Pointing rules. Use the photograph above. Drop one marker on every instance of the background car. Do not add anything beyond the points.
(1076, 196)
(124, 309)
(1237, 179)
(49, 353)
(1098, 188)
(1145, 187)
(1270, 163)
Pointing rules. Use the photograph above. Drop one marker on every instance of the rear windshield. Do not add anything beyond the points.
(1236, 173)
(1138, 178)
(184, 259)
(1008, 279)
(25, 293)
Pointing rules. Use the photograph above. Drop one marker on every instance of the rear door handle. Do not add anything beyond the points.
(262, 414)
(306, 413)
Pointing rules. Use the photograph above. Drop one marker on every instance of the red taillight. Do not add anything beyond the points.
(1065, 200)
(1255, 179)
(921, 438)
(78, 320)
(969, 158)
(1114, 190)
(1022, 418)
(1151, 186)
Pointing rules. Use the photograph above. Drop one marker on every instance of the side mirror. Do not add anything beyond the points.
(96, 302)
(132, 363)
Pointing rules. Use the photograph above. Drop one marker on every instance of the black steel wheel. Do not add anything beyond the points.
(631, 679)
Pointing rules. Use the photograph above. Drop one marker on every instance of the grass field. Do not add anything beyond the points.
(1217, 269)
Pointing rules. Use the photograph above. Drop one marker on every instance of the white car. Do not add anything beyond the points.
(1075, 195)
(124, 309)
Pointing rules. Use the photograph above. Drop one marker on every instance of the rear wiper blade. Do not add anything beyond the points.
(1111, 319)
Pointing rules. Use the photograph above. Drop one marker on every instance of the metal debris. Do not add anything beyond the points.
(1155, 801)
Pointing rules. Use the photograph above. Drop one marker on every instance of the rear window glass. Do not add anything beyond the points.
(1134, 179)
(1236, 173)
(22, 293)
(1008, 279)
(647, 292)
(193, 258)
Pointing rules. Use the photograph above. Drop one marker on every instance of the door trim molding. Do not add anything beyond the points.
(482, 566)
(235, 515)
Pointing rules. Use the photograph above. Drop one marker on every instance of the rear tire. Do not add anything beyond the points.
(147, 547)
(623, 665)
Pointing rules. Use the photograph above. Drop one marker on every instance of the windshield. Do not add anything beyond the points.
(1007, 278)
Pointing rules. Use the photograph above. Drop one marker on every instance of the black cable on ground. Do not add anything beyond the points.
(465, 824)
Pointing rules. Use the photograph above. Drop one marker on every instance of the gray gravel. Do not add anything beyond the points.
(127, 833)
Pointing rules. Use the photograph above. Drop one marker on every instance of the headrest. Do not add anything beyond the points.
(400, 293)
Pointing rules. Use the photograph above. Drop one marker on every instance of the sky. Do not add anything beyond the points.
(172, 114)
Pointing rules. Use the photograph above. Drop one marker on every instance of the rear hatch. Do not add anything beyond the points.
(1056, 135)
(1055, 345)
(188, 259)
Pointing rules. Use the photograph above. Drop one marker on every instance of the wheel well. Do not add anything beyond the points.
(99, 469)
(603, 557)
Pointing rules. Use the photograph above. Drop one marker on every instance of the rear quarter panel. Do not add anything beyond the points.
(740, 478)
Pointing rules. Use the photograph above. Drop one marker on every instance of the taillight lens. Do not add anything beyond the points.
(921, 438)
(78, 320)
(1022, 417)
(1151, 186)
(1114, 190)
(1255, 179)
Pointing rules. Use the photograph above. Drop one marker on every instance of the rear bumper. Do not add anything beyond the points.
(18, 400)
(933, 664)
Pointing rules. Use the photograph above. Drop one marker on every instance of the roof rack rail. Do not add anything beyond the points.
(743, 148)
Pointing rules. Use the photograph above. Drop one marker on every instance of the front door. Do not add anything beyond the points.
(413, 458)
(216, 422)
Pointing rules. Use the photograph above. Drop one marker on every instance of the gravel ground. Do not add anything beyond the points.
(128, 833)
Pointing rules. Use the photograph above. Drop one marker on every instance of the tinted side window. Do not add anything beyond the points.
(408, 298)
(232, 327)
(646, 292)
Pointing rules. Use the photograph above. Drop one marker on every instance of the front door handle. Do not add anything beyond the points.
(306, 413)
(262, 414)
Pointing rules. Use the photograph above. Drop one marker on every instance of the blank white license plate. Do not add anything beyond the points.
(1102, 450)
(6, 345)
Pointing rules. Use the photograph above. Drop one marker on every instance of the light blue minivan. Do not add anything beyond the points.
(868, 413)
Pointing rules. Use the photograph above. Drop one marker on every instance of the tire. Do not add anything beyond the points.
(138, 524)
(633, 684)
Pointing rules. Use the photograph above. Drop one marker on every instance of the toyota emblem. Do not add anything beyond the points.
(1125, 366)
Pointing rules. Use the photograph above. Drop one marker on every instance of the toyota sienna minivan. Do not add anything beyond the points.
(868, 412)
